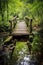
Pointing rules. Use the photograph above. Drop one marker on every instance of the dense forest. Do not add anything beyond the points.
(21, 8)
(27, 10)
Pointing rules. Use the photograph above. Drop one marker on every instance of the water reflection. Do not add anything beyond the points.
(1, 41)
(28, 60)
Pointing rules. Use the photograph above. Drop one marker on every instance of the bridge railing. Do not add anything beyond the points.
(13, 22)
(29, 23)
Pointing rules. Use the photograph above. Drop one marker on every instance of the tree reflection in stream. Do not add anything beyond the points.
(1, 41)
(28, 60)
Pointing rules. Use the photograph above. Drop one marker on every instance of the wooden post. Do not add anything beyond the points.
(27, 20)
(11, 26)
(14, 42)
(13, 48)
(29, 46)
(13, 22)
(30, 25)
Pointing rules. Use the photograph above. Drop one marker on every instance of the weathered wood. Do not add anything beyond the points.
(12, 48)
(4, 34)
(21, 37)
(27, 20)
(8, 39)
(13, 22)
(11, 26)
(29, 46)
(11, 45)
(31, 25)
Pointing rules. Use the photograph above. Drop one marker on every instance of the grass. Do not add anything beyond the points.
(20, 45)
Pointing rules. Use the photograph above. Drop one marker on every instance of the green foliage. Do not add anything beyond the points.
(36, 45)
(37, 10)
(20, 47)
(4, 27)
(22, 8)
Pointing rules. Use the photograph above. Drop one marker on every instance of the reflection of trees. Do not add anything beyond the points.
(41, 41)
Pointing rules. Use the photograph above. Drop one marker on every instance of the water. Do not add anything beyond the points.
(1, 41)
(28, 60)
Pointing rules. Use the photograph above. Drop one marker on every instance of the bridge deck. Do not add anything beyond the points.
(21, 29)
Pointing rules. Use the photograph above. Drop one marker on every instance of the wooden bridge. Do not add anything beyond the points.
(21, 31)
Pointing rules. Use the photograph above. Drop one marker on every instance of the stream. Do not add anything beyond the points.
(28, 60)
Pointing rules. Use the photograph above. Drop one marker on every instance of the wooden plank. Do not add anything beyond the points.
(4, 34)
(8, 39)
(11, 47)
